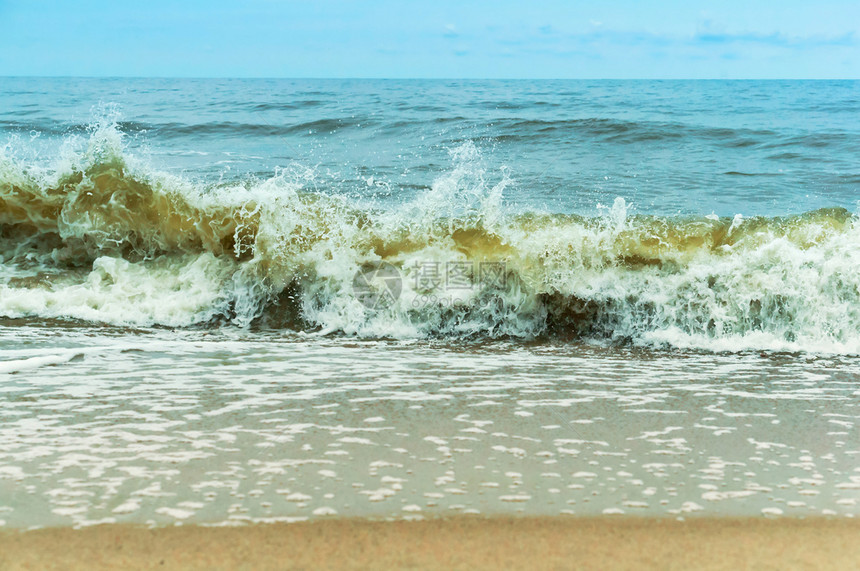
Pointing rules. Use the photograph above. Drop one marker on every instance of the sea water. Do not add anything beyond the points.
(257, 300)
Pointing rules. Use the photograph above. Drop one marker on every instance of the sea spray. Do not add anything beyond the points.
(104, 237)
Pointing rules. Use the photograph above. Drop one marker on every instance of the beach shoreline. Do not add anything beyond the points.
(448, 543)
(430, 324)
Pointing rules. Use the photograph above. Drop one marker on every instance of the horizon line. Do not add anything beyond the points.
(433, 78)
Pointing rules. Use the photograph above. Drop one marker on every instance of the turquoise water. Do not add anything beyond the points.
(233, 301)
(690, 147)
(706, 214)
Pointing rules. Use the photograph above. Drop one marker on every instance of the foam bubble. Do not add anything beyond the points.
(103, 237)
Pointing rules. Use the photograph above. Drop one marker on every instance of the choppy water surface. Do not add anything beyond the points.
(228, 301)
(478, 199)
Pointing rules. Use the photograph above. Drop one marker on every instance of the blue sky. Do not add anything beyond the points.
(438, 38)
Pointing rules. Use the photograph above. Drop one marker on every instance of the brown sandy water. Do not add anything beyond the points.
(197, 203)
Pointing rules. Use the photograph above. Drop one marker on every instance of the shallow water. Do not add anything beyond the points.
(228, 301)
(226, 427)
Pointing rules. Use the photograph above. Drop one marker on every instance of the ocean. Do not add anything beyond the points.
(234, 301)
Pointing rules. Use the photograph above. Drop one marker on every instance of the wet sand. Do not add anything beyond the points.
(277, 429)
(458, 543)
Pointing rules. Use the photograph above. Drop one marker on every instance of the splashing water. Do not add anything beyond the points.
(103, 237)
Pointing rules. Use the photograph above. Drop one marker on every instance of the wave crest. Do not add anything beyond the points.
(103, 238)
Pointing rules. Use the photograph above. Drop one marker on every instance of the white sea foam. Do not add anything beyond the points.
(104, 238)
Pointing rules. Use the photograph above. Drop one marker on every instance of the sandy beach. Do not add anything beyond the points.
(429, 324)
(459, 543)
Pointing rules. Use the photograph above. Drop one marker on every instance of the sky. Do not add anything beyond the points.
(432, 38)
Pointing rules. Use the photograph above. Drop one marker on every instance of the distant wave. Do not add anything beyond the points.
(169, 130)
(513, 129)
(103, 239)
(620, 131)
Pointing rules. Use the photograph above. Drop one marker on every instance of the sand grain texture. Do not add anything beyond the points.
(462, 543)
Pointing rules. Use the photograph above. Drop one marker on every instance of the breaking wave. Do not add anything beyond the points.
(102, 238)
